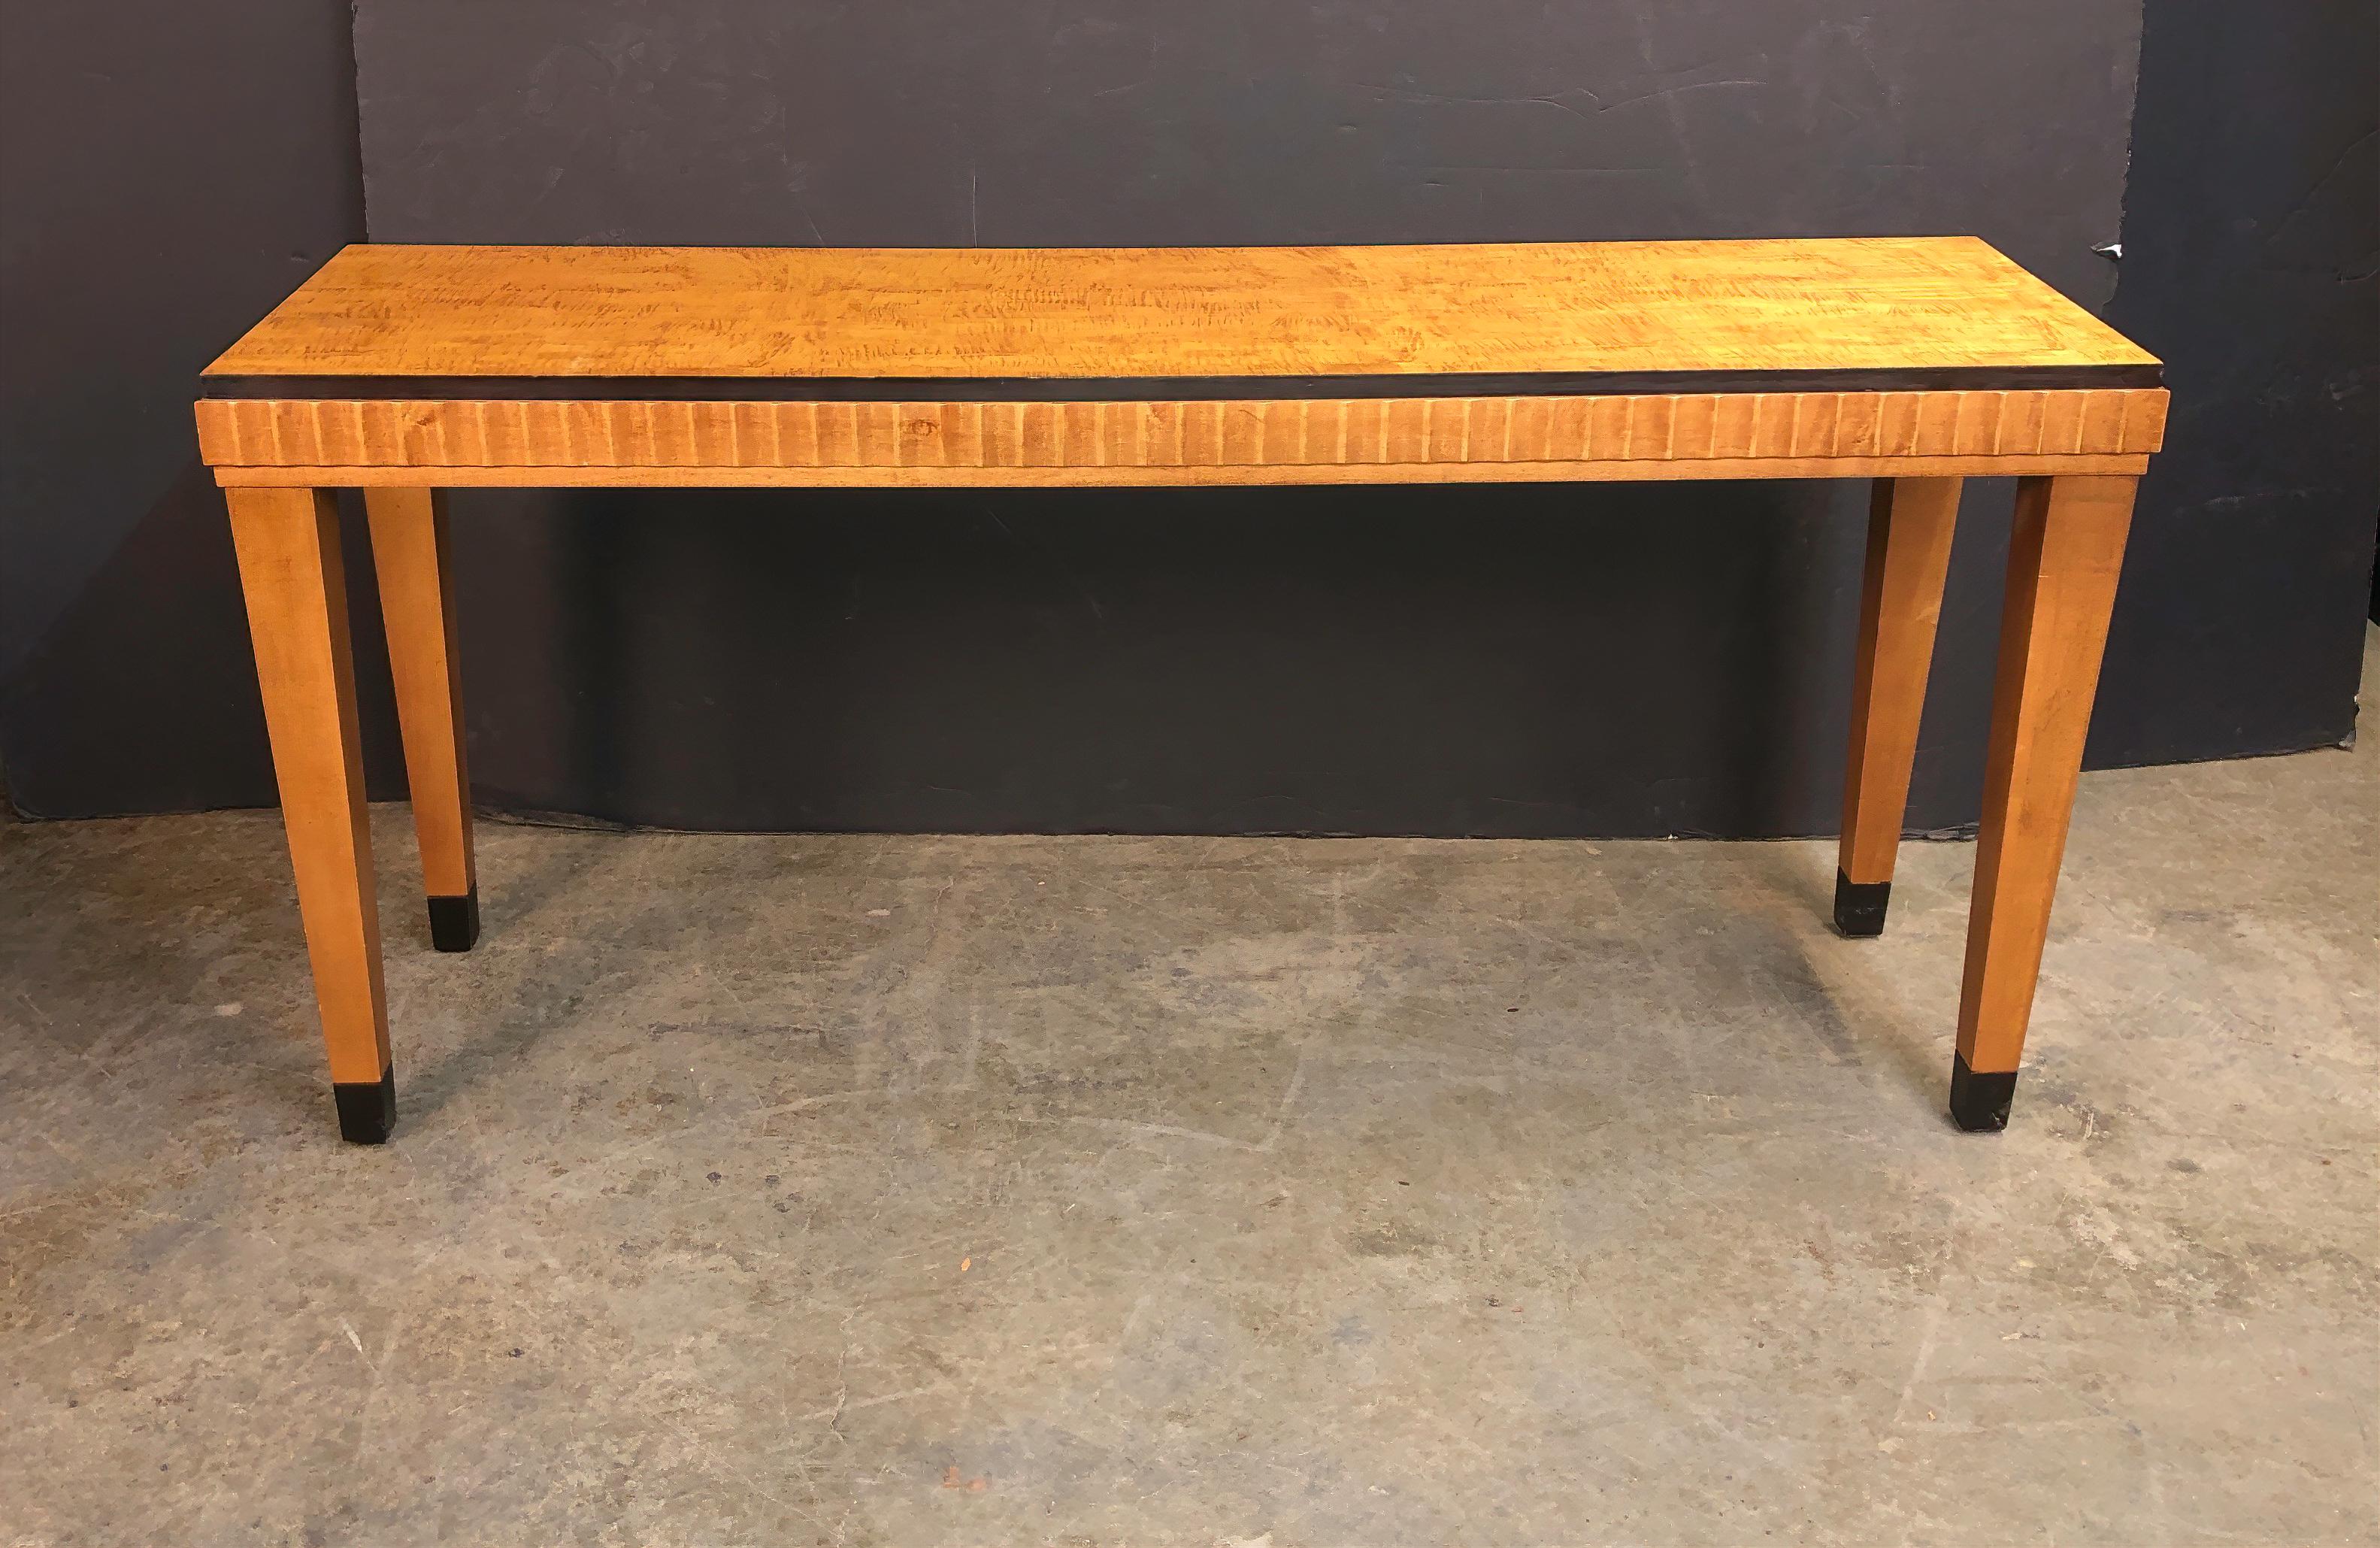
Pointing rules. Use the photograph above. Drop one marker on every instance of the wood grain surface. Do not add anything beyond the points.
(1630, 428)
(290, 570)
(1841, 304)
(549, 319)
(1910, 523)
(2066, 553)
(417, 606)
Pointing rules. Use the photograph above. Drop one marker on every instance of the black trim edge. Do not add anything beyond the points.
(1137, 389)
(367, 1108)
(1979, 1104)
(1859, 906)
(454, 921)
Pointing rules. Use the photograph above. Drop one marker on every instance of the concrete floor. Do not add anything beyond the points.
(1107, 1190)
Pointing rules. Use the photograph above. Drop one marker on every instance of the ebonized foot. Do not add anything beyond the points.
(1979, 1104)
(367, 1108)
(1859, 906)
(454, 921)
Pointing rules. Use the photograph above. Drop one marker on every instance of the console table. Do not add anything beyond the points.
(1913, 363)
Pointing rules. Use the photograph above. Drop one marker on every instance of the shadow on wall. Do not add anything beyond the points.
(2251, 265)
(1513, 660)
(143, 691)
(167, 173)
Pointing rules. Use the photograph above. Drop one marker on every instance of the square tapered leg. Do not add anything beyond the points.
(288, 541)
(1909, 525)
(2064, 558)
(409, 537)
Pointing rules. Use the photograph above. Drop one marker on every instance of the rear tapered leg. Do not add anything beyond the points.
(409, 536)
(1909, 524)
(287, 541)
(2064, 558)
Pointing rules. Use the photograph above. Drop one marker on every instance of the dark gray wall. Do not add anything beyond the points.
(1600, 660)
(168, 172)
(2252, 264)
(1547, 659)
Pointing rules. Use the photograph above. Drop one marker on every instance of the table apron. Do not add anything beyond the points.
(1401, 440)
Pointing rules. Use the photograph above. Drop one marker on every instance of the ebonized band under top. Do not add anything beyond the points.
(1137, 389)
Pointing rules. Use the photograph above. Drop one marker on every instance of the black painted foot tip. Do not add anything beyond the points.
(367, 1108)
(454, 921)
(1859, 906)
(1979, 1104)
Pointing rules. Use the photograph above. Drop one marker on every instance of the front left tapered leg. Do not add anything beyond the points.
(408, 538)
(288, 541)
(2064, 558)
